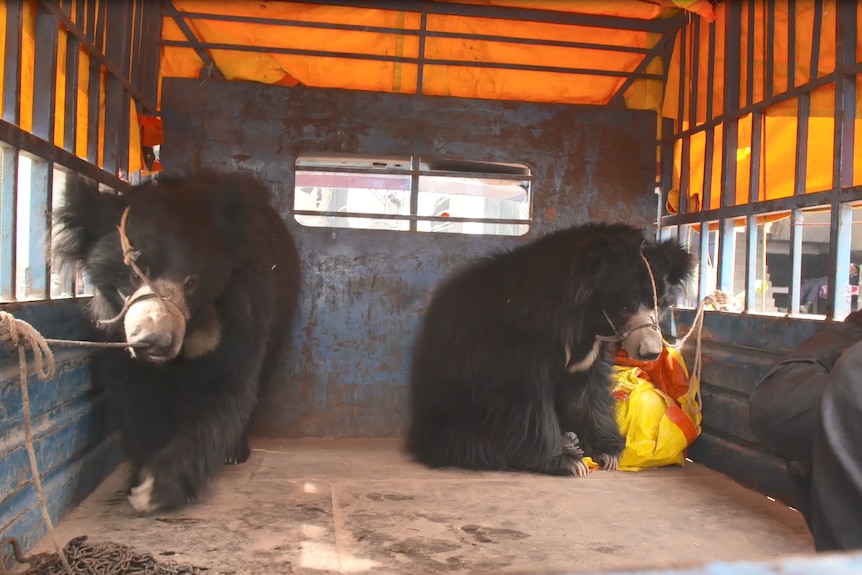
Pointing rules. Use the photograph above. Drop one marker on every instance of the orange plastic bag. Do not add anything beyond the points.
(658, 410)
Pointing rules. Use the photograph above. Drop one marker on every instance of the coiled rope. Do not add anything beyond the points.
(22, 335)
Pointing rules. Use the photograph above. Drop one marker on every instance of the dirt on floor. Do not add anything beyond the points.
(360, 506)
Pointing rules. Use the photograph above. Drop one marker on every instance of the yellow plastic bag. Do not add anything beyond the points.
(658, 429)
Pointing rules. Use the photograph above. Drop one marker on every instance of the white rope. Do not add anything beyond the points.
(22, 335)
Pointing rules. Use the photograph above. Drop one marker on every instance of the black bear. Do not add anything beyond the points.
(511, 366)
(200, 276)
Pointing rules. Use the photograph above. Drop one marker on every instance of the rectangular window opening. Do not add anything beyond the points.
(408, 193)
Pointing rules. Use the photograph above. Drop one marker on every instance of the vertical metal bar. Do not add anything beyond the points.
(791, 43)
(95, 87)
(125, 53)
(70, 122)
(730, 143)
(768, 82)
(91, 20)
(666, 151)
(842, 169)
(37, 272)
(414, 190)
(12, 61)
(685, 151)
(8, 221)
(114, 49)
(45, 75)
(135, 42)
(749, 95)
(706, 260)
(151, 49)
(803, 112)
(750, 262)
(420, 72)
(754, 194)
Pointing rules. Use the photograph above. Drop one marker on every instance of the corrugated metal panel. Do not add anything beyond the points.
(364, 290)
(738, 350)
(75, 449)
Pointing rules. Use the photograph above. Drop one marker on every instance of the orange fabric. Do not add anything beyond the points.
(463, 81)
(665, 373)
(779, 123)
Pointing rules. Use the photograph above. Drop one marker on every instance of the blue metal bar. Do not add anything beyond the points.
(12, 59)
(843, 151)
(408, 60)
(45, 74)
(730, 143)
(8, 220)
(791, 43)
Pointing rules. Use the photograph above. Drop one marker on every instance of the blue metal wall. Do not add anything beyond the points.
(738, 350)
(75, 449)
(364, 290)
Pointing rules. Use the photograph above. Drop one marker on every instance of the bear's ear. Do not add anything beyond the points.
(86, 215)
(669, 261)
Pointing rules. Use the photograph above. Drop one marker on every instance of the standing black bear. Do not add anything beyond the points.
(510, 369)
(200, 275)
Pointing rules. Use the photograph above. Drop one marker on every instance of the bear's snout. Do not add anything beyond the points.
(154, 326)
(644, 341)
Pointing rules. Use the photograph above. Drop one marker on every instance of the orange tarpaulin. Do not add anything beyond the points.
(337, 71)
(779, 125)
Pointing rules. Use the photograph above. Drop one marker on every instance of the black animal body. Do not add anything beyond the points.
(200, 276)
(511, 367)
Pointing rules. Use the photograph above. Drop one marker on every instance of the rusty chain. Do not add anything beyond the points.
(98, 559)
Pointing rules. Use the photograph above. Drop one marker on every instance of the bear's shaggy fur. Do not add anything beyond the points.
(507, 371)
(212, 295)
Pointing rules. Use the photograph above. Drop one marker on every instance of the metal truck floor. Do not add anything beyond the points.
(360, 506)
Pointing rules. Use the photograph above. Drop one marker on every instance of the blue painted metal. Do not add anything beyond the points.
(364, 291)
(738, 350)
(75, 446)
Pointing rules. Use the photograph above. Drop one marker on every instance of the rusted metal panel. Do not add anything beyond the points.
(738, 350)
(364, 291)
(75, 447)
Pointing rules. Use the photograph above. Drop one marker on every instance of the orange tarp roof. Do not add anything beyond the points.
(473, 81)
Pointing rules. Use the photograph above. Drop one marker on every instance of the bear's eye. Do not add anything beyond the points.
(191, 283)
